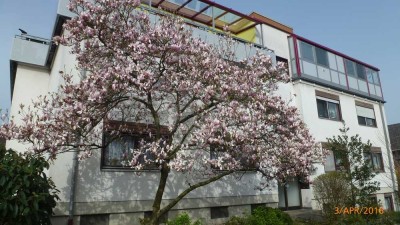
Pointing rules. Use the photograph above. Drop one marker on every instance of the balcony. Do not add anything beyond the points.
(316, 63)
(30, 49)
(207, 20)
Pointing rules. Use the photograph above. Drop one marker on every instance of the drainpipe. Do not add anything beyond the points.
(389, 153)
(74, 176)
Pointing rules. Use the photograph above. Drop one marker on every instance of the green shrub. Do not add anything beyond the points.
(27, 196)
(262, 216)
(183, 219)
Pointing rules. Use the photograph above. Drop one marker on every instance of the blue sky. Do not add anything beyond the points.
(367, 30)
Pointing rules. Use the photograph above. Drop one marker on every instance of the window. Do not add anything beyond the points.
(332, 163)
(307, 51)
(365, 114)
(328, 105)
(118, 151)
(322, 57)
(328, 109)
(375, 159)
(219, 212)
(389, 202)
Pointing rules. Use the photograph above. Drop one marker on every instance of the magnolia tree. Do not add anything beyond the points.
(199, 99)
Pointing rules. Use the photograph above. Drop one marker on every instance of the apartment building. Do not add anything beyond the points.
(328, 88)
(394, 135)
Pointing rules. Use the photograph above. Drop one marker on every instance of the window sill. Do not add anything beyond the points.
(125, 169)
(323, 118)
(368, 126)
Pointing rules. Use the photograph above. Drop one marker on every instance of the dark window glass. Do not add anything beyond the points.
(376, 77)
(322, 108)
(328, 110)
(350, 68)
(306, 51)
(333, 111)
(388, 203)
(361, 120)
(366, 121)
(219, 212)
(360, 71)
(375, 160)
(370, 77)
(322, 57)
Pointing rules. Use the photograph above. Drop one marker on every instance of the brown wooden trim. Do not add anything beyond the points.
(135, 128)
(327, 95)
(365, 105)
(272, 23)
(376, 150)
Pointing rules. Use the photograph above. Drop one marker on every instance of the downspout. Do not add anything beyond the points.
(74, 176)
(389, 153)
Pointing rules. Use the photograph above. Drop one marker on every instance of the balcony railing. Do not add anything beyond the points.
(30, 49)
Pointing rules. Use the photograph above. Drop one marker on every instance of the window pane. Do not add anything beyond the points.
(376, 161)
(376, 77)
(118, 151)
(350, 68)
(361, 120)
(360, 71)
(322, 57)
(333, 111)
(370, 77)
(369, 122)
(322, 108)
(306, 51)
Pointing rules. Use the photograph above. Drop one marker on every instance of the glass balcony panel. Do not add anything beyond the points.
(343, 80)
(353, 83)
(335, 77)
(309, 68)
(362, 86)
(332, 61)
(378, 90)
(340, 64)
(323, 73)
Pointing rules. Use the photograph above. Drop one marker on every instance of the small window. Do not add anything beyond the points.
(328, 109)
(366, 116)
(375, 160)
(322, 57)
(219, 212)
(307, 51)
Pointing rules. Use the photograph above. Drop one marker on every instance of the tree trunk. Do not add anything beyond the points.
(155, 217)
